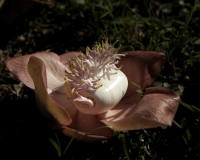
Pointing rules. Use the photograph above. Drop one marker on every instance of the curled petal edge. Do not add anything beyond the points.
(156, 108)
(18, 66)
(48, 107)
(86, 137)
(142, 68)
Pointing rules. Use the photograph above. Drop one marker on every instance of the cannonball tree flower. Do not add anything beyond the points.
(89, 96)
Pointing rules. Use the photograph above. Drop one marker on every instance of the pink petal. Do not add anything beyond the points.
(89, 122)
(55, 69)
(63, 101)
(64, 58)
(83, 136)
(142, 68)
(156, 108)
(88, 126)
(47, 106)
(57, 106)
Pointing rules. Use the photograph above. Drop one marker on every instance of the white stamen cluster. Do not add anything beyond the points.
(88, 69)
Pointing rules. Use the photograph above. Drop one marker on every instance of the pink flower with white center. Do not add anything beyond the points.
(94, 84)
(83, 93)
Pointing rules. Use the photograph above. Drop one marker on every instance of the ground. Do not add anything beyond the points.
(171, 27)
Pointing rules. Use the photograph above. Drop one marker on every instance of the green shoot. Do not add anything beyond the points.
(57, 145)
(140, 91)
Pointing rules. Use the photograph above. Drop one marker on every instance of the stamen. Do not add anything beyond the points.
(87, 70)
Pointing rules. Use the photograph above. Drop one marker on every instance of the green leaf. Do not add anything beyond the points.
(157, 83)
(190, 107)
(140, 91)
(121, 137)
(185, 131)
(57, 146)
(90, 132)
(166, 85)
(70, 142)
(181, 88)
(194, 150)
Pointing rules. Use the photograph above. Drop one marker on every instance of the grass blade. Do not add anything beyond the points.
(190, 107)
(57, 146)
(121, 137)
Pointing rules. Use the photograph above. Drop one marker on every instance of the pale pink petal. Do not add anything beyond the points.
(47, 106)
(89, 122)
(63, 101)
(54, 68)
(142, 68)
(83, 136)
(61, 109)
(64, 58)
(88, 126)
(156, 108)
(18, 67)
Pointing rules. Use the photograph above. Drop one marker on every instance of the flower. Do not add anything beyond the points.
(94, 84)
(83, 93)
